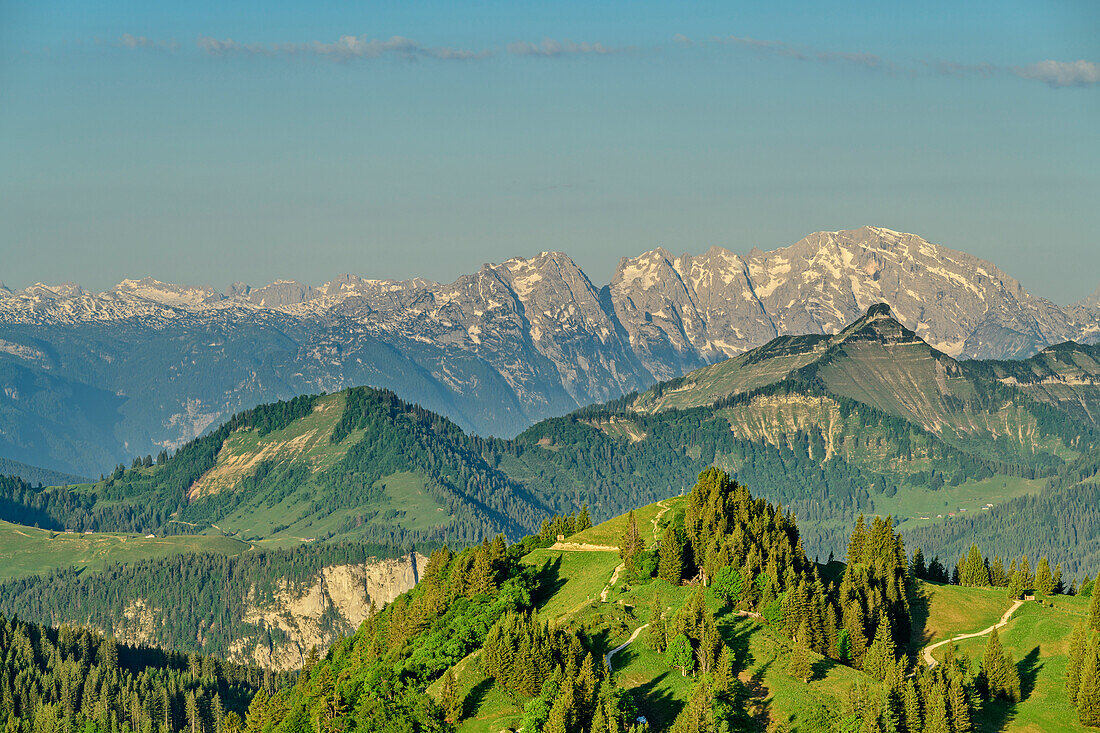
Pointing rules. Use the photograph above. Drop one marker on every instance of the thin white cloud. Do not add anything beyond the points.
(1057, 74)
(1078, 73)
(805, 53)
(549, 48)
(345, 48)
(127, 40)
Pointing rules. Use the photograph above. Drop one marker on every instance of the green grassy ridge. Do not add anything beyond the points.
(29, 551)
(355, 465)
(941, 611)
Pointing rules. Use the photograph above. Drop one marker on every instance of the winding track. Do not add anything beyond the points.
(620, 647)
(930, 660)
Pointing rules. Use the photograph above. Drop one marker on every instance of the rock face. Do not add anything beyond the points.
(292, 618)
(495, 350)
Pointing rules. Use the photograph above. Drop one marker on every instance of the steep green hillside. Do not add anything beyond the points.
(357, 464)
(572, 636)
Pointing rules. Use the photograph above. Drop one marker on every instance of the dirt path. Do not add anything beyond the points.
(620, 647)
(582, 547)
(658, 515)
(611, 583)
(931, 662)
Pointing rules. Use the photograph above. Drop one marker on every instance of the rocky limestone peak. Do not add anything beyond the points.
(167, 293)
(238, 290)
(878, 324)
(282, 292)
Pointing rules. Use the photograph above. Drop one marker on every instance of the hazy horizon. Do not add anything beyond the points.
(212, 144)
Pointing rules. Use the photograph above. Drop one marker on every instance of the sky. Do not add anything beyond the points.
(213, 142)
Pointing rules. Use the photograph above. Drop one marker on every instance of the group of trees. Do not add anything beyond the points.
(563, 525)
(975, 570)
(69, 679)
(567, 681)
(378, 677)
(750, 552)
(1083, 667)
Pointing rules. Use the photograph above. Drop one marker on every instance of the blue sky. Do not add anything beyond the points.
(213, 142)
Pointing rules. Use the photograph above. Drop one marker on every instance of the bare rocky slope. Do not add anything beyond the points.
(495, 350)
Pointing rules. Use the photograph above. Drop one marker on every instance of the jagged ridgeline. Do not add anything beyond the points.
(514, 636)
(69, 679)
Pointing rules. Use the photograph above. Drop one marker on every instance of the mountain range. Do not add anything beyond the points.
(91, 379)
(871, 419)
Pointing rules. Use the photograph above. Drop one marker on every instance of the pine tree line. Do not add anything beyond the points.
(68, 679)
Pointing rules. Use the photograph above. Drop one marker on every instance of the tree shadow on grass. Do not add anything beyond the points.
(656, 703)
(918, 614)
(997, 714)
(472, 703)
(753, 697)
(1028, 668)
(820, 668)
(548, 581)
(736, 631)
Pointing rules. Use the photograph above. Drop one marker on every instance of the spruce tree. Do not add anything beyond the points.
(879, 660)
(914, 717)
(1094, 609)
(1044, 579)
(631, 544)
(671, 557)
(958, 706)
(1016, 585)
(1000, 671)
(583, 520)
(1073, 665)
(918, 569)
(973, 571)
(800, 665)
(1088, 697)
(936, 720)
(858, 541)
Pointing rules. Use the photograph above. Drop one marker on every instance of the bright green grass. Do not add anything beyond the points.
(572, 579)
(949, 610)
(912, 504)
(611, 532)
(487, 706)
(1038, 637)
(30, 551)
(405, 501)
(780, 697)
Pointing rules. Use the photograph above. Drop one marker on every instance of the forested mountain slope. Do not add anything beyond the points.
(357, 464)
(573, 636)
